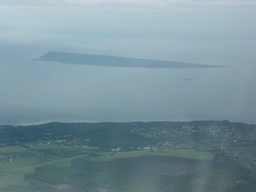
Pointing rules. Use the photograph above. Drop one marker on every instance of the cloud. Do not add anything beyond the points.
(148, 4)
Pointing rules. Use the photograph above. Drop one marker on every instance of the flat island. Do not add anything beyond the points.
(112, 61)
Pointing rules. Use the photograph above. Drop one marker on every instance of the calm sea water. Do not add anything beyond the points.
(41, 91)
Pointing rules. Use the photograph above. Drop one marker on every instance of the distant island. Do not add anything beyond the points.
(112, 61)
(188, 79)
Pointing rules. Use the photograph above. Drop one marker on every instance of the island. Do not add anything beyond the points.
(113, 61)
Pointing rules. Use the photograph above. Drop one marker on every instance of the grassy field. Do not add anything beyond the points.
(29, 161)
(184, 153)
(25, 162)
(16, 178)
(12, 149)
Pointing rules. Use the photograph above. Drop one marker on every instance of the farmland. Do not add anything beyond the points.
(155, 158)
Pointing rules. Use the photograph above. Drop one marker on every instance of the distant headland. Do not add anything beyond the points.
(112, 61)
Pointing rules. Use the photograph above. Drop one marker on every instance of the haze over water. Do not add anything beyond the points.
(33, 91)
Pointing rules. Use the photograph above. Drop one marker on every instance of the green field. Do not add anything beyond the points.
(183, 153)
(12, 149)
(28, 159)
(61, 167)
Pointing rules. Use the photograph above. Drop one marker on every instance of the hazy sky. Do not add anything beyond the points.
(217, 32)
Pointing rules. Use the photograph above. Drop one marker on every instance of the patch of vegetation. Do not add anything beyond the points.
(185, 153)
(12, 149)
(128, 157)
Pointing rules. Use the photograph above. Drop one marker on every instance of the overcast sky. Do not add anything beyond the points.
(217, 32)
(124, 3)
